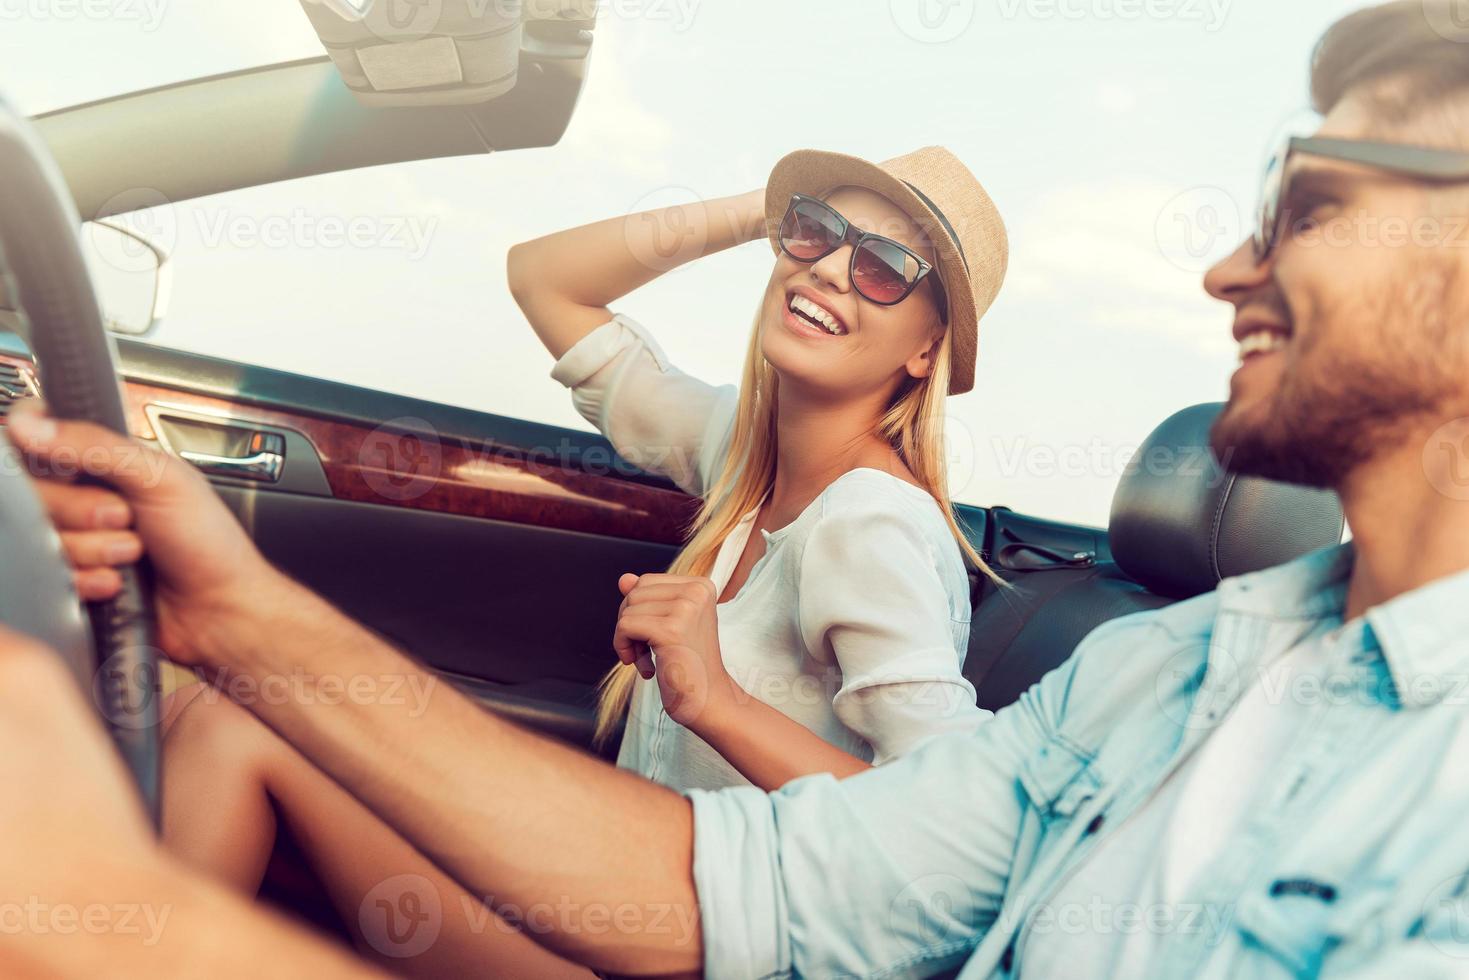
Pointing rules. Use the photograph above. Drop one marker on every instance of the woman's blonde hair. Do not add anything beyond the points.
(913, 425)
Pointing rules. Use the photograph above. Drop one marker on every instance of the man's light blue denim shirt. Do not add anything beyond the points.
(1353, 864)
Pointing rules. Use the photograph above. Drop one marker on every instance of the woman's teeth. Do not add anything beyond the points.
(814, 313)
(1261, 342)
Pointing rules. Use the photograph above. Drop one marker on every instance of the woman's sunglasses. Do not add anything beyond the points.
(1408, 162)
(882, 270)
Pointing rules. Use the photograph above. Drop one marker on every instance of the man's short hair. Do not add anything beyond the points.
(1411, 60)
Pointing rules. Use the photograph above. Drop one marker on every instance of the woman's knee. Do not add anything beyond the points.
(204, 722)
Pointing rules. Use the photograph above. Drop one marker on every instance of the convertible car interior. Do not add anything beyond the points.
(439, 526)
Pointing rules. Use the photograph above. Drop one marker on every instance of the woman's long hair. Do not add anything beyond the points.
(913, 425)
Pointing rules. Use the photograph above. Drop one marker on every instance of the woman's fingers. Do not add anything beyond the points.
(90, 549)
(632, 637)
(73, 507)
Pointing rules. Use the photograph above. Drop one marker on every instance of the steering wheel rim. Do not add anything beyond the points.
(40, 253)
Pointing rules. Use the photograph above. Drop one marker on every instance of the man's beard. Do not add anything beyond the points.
(1329, 418)
(1310, 436)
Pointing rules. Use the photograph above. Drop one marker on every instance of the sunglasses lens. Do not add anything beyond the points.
(809, 231)
(883, 272)
(1271, 186)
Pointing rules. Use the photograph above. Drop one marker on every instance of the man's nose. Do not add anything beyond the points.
(1237, 275)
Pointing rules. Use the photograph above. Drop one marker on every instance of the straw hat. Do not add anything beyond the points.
(944, 199)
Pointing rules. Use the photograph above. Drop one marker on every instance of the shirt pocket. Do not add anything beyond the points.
(1297, 922)
(1059, 779)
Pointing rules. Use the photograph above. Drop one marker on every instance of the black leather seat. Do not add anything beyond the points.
(1179, 525)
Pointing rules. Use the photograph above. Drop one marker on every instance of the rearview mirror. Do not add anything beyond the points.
(132, 276)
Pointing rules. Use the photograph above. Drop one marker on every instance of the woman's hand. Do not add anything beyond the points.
(676, 616)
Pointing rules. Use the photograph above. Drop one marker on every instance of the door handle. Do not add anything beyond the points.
(263, 463)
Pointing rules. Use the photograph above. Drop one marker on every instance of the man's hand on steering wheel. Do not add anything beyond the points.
(206, 568)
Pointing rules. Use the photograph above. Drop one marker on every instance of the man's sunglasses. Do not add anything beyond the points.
(882, 270)
(1409, 162)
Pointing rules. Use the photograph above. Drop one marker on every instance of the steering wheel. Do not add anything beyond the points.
(41, 254)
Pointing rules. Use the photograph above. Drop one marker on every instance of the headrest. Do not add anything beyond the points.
(1181, 523)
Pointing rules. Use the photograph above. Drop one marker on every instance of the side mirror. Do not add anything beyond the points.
(132, 274)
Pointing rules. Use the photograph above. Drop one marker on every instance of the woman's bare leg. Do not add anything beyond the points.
(226, 775)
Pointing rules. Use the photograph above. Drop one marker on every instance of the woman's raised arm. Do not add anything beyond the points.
(565, 281)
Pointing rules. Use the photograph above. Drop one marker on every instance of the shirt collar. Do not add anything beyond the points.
(1423, 634)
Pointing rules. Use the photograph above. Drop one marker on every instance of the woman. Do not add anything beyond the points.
(841, 627)
(831, 640)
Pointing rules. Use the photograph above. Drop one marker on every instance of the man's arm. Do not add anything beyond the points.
(85, 891)
(904, 864)
(602, 854)
(521, 820)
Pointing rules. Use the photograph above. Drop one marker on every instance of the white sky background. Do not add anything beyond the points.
(1121, 139)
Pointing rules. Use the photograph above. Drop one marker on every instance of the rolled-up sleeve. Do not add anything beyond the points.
(896, 871)
(657, 417)
(871, 593)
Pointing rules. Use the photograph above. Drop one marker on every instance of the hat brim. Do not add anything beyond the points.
(819, 172)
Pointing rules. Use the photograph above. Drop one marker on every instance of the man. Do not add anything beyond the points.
(1264, 780)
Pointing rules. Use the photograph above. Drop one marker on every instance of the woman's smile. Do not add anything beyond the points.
(808, 315)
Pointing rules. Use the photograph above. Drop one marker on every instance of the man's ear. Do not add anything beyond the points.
(920, 365)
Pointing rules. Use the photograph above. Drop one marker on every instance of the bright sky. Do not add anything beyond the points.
(1121, 139)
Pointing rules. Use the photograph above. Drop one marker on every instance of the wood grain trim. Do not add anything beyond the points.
(400, 467)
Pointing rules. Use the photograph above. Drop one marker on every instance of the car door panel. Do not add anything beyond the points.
(488, 547)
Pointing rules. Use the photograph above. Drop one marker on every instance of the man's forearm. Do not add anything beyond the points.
(600, 857)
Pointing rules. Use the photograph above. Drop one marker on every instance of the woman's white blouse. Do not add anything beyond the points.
(854, 623)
